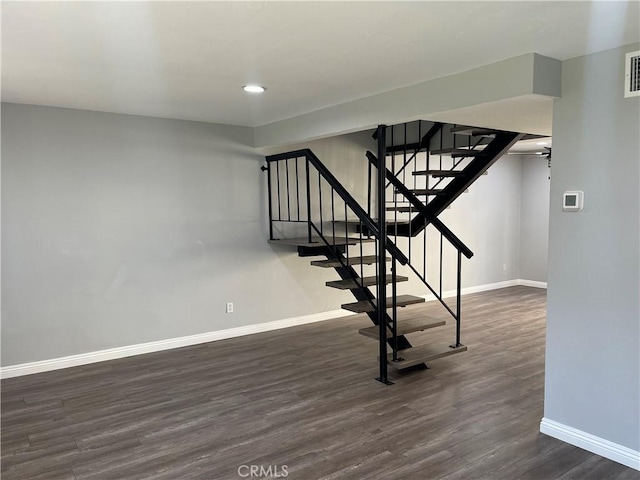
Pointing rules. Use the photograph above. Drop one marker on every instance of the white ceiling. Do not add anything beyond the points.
(188, 60)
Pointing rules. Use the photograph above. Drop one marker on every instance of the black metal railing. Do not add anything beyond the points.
(418, 258)
(454, 164)
(306, 199)
(304, 193)
(407, 150)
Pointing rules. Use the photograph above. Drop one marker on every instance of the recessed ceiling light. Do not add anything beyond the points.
(253, 88)
(542, 143)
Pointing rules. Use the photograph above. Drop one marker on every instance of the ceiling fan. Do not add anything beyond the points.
(542, 151)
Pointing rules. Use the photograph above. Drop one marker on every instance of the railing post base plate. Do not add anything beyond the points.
(386, 382)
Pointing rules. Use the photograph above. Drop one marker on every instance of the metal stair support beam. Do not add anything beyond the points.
(382, 247)
(422, 209)
(364, 294)
(500, 145)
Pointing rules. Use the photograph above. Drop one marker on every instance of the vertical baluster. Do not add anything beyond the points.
(426, 164)
(375, 253)
(320, 200)
(458, 302)
(410, 225)
(297, 190)
(441, 266)
(404, 158)
(424, 248)
(393, 165)
(453, 137)
(346, 223)
(270, 201)
(278, 175)
(395, 211)
(333, 218)
(361, 244)
(369, 189)
(308, 200)
(393, 153)
(415, 159)
(395, 309)
(288, 191)
(441, 144)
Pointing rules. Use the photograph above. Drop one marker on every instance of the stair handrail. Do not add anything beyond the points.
(351, 202)
(421, 208)
(460, 247)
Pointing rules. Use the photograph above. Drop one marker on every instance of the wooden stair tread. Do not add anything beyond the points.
(366, 306)
(410, 148)
(457, 152)
(439, 173)
(426, 191)
(318, 242)
(350, 284)
(406, 313)
(402, 209)
(422, 354)
(390, 219)
(405, 327)
(332, 263)
(474, 131)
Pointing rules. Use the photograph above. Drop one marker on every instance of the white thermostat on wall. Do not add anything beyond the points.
(572, 201)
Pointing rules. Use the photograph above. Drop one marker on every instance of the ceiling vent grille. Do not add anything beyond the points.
(632, 75)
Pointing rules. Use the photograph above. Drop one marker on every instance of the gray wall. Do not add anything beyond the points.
(593, 338)
(487, 220)
(119, 230)
(534, 218)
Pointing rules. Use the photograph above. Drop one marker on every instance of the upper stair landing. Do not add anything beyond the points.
(430, 164)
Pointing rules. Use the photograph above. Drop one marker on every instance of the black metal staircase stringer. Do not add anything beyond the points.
(421, 208)
(502, 142)
(364, 294)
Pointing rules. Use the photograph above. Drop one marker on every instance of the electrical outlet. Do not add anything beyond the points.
(229, 307)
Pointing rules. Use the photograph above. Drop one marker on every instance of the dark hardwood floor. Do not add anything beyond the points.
(304, 397)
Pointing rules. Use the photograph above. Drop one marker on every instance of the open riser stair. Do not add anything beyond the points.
(375, 246)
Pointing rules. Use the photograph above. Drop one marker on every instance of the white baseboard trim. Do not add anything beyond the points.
(142, 348)
(591, 443)
(485, 288)
(532, 283)
(476, 289)
(489, 286)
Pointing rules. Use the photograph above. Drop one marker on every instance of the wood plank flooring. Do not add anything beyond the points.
(304, 397)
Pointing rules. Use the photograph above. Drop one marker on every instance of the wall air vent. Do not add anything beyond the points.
(632, 75)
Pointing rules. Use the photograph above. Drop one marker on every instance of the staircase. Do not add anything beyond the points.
(418, 170)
